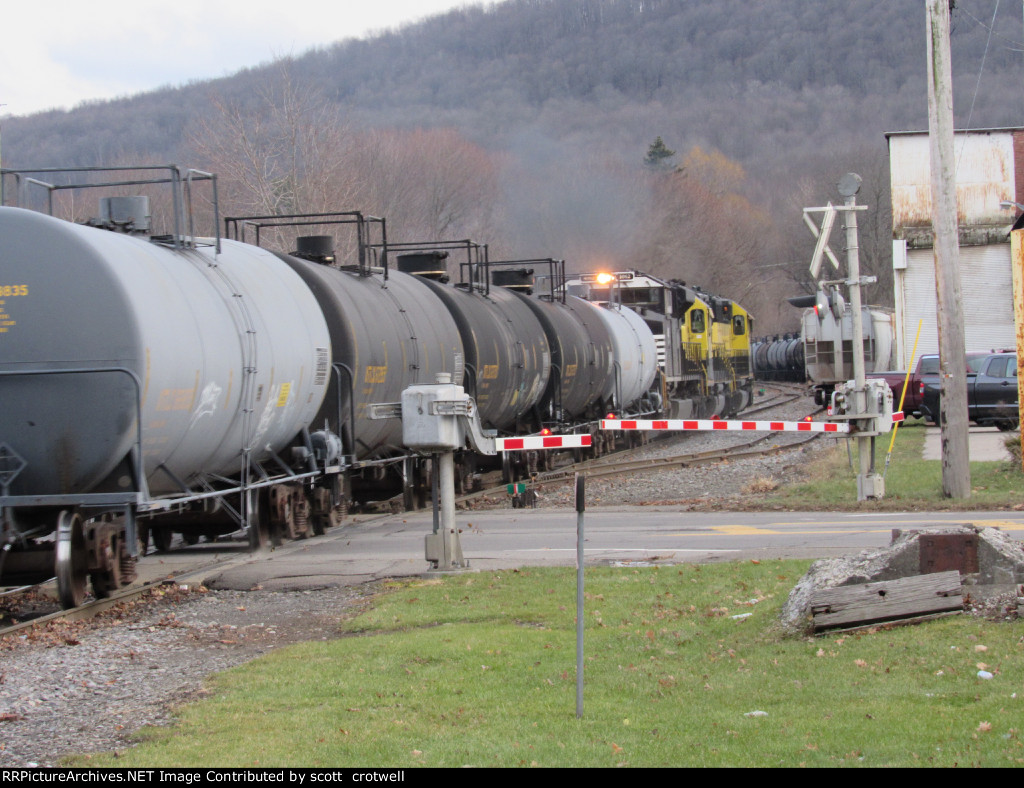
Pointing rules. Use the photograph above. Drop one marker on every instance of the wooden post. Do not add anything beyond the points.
(956, 474)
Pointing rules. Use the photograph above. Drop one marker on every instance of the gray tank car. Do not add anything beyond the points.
(131, 369)
(828, 345)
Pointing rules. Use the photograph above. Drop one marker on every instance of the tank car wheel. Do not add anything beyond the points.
(190, 539)
(162, 538)
(262, 532)
(1006, 426)
(71, 560)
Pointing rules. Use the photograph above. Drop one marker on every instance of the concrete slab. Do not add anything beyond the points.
(987, 444)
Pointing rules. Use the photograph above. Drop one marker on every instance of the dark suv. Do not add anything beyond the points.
(991, 391)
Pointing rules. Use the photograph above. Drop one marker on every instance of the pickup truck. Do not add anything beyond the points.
(991, 390)
(925, 375)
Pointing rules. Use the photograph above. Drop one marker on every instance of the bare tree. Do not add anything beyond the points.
(283, 152)
(430, 184)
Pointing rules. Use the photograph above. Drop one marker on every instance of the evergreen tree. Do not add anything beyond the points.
(658, 155)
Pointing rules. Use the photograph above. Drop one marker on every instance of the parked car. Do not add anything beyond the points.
(991, 390)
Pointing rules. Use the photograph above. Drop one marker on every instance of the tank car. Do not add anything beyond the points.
(828, 345)
(140, 374)
(508, 358)
(779, 358)
(388, 332)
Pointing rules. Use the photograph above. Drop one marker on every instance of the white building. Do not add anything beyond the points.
(989, 170)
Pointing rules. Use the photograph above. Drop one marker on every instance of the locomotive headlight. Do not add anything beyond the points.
(605, 279)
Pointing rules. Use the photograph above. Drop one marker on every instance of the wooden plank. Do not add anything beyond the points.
(900, 622)
(887, 600)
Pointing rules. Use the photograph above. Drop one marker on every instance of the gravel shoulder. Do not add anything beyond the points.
(75, 688)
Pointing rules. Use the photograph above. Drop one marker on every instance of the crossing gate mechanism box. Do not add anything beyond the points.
(430, 416)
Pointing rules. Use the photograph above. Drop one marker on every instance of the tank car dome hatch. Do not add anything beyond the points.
(317, 248)
(126, 214)
(520, 279)
(99, 309)
(429, 265)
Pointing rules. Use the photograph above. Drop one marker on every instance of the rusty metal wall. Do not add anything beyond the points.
(986, 175)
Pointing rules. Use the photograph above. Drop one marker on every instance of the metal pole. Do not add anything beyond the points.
(851, 183)
(446, 461)
(580, 497)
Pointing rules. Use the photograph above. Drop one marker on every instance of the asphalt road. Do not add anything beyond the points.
(374, 548)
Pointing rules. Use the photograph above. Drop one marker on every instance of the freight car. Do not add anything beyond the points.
(828, 343)
(822, 353)
(779, 358)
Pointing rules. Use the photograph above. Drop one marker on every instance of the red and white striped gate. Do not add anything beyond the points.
(710, 425)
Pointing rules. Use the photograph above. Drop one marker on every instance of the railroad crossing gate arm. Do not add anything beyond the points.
(711, 425)
(875, 417)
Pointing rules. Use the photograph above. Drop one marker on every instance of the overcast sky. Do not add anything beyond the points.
(58, 53)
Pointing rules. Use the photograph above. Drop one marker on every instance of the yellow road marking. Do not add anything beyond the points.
(752, 530)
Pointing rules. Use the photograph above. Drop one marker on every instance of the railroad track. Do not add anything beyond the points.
(97, 606)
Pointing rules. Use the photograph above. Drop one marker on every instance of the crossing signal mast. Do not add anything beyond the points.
(859, 408)
(858, 400)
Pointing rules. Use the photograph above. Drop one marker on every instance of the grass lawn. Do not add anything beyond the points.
(685, 666)
(911, 483)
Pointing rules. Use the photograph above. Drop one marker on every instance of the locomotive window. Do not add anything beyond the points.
(697, 321)
(739, 325)
(640, 295)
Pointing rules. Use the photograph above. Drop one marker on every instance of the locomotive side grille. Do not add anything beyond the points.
(659, 343)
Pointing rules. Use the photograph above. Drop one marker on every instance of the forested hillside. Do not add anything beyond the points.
(525, 124)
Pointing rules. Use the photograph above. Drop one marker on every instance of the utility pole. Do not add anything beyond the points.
(956, 474)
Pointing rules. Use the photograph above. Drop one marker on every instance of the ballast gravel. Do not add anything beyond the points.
(78, 688)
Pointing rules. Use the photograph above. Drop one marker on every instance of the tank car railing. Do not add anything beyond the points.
(235, 228)
(555, 275)
(181, 198)
(476, 256)
(340, 368)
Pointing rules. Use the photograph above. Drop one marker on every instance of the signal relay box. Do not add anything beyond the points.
(876, 415)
